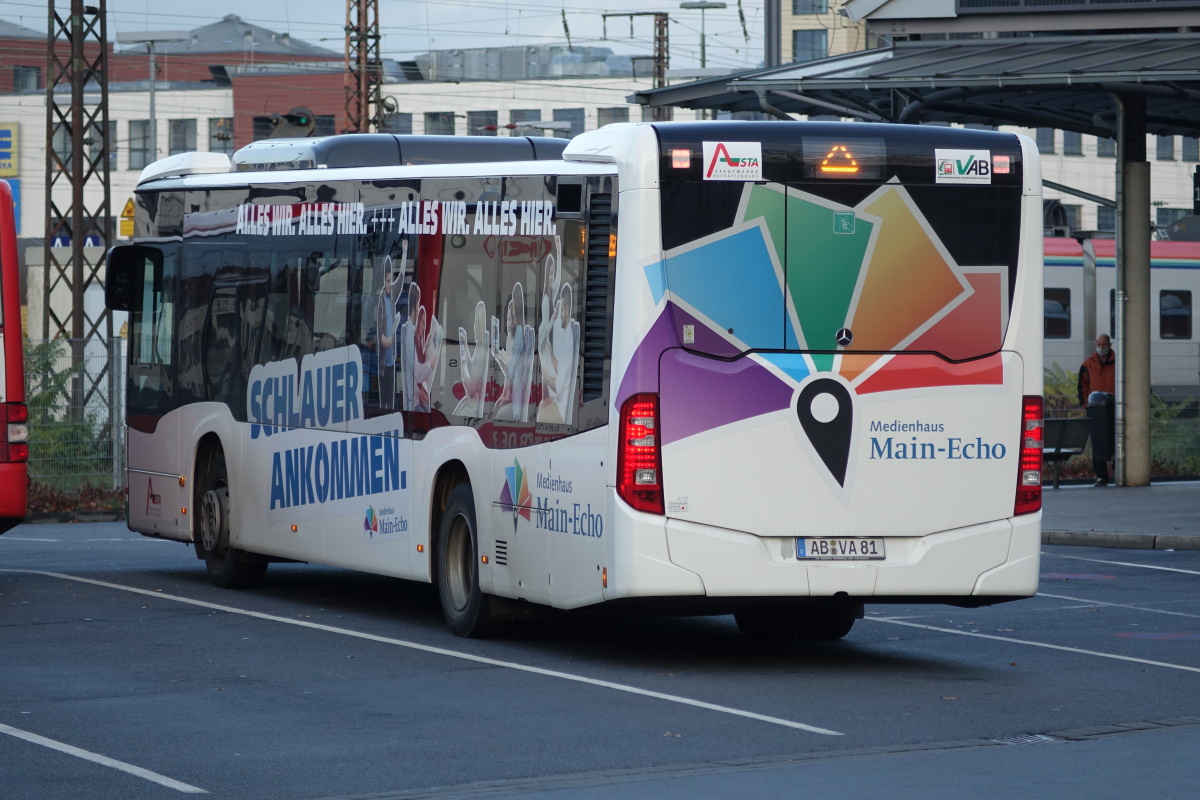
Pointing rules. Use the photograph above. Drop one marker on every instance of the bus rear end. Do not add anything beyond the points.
(14, 430)
(838, 392)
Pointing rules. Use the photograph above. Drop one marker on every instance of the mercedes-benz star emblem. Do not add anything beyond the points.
(844, 337)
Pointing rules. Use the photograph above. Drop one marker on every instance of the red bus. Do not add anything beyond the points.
(14, 437)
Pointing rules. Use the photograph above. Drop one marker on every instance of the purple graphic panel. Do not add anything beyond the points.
(700, 393)
(706, 339)
(642, 375)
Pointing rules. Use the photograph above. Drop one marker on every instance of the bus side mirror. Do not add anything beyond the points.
(125, 267)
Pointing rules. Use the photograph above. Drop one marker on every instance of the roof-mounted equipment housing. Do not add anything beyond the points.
(385, 149)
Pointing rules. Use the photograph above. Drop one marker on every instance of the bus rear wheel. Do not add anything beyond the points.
(228, 567)
(792, 623)
(468, 611)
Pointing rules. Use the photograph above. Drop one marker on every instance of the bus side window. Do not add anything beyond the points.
(331, 293)
(1175, 314)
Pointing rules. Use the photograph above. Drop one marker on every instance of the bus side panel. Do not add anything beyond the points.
(547, 518)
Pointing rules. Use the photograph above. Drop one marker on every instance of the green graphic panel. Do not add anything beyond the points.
(826, 249)
(769, 204)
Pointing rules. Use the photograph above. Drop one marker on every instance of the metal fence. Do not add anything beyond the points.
(1174, 426)
(76, 431)
(75, 393)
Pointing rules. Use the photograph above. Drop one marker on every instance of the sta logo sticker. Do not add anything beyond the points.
(732, 161)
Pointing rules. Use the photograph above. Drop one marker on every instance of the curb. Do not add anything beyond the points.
(1128, 541)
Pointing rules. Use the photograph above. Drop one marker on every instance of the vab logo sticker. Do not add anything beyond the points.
(963, 166)
(371, 522)
(732, 161)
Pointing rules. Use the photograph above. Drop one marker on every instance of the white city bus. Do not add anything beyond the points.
(772, 369)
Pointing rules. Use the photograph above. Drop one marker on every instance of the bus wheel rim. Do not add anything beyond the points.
(460, 563)
(211, 519)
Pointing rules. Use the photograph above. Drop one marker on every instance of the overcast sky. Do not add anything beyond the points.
(415, 26)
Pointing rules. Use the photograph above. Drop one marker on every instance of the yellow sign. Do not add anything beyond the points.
(127, 211)
(8, 150)
(126, 229)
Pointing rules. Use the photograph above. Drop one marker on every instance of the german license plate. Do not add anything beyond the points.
(840, 549)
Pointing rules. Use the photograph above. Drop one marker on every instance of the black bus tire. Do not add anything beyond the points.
(228, 567)
(467, 610)
(794, 624)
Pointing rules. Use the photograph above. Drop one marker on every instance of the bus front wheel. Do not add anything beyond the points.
(468, 611)
(228, 567)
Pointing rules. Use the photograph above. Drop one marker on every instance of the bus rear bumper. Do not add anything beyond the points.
(994, 559)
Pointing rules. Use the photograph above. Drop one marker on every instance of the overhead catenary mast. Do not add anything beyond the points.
(364, 68)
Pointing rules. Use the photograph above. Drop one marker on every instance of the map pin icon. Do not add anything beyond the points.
(826, 413)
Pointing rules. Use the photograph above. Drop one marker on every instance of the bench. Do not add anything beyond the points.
(1064, 438)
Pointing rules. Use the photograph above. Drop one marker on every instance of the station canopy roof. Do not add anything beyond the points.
(1066, 82)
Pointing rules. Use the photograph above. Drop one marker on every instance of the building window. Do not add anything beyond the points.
(1191, 149)
(27, 79)
(324, 125)
(1166, 217)
(139, 143)
(182, 136)
(482, 123)
(1175, 314)
(95, 141)
(609, 116)
(1164, 149)
(1106, 148)
(1056, 319)
(575, 116)
(518, 115)
(220, 135)
(1045, 140)
(1072, 143)
(810, 6)
(60, 141)
(262, 127)
(1074, 217)
(1106, 219)
(439, 123)
(807, 45)
(397, 122)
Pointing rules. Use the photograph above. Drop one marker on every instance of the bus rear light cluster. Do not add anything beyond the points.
(639, 457)
(15, 447)
(1029, 477)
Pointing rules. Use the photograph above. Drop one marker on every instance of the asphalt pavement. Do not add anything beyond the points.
(1162, 516)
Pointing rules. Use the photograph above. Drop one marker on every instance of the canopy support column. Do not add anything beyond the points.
(1133, 294)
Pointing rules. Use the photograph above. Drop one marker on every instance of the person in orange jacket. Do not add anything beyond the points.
(1097, 386)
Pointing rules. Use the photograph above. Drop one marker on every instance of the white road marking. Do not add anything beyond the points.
(87, 755)
(1117, 605)
(1013, 640)
(1125, 564)
(549, 673)
(11, 538)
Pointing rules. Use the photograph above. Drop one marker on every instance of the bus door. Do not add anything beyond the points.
(142, 280)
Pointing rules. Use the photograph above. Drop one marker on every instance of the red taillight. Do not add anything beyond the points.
(16, 440)
(1029, 475)
(639, 460)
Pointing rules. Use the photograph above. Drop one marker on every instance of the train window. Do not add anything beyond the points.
(1175, 314)
(1057, 314)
